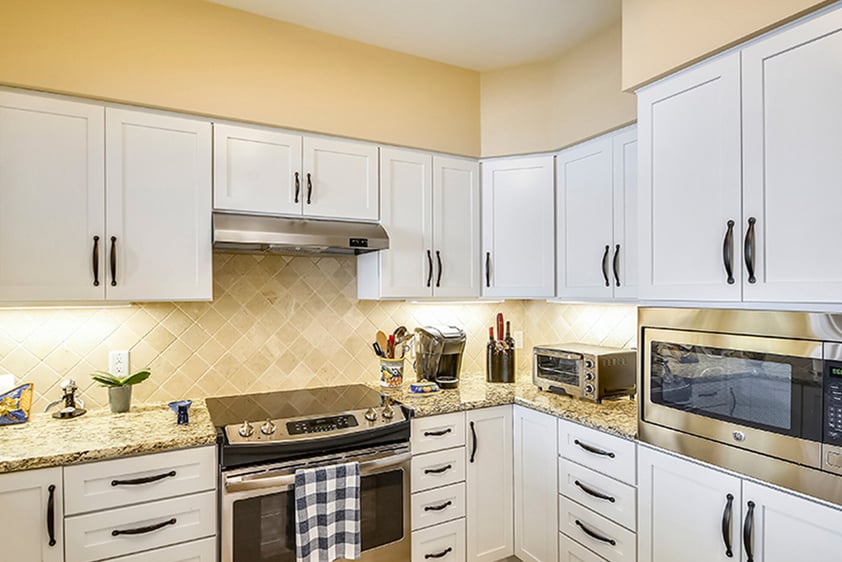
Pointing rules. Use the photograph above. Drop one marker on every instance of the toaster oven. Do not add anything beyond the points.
(591, 372)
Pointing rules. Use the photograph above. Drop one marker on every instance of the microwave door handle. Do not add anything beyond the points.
(286, 480)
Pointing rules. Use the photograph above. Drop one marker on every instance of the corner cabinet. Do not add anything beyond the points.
(32, 525)
(739, 173)
(518, 227)
(536, 486)
(115, 203)
(271, 171)
(430, 208)
(596, 218)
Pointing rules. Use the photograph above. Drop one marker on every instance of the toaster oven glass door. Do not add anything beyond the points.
(726, 387)
(562, 369)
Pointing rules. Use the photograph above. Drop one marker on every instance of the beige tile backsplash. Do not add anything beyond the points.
(275, 323)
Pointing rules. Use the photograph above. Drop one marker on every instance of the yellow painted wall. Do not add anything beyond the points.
(550, 105)
(194, 56)
(661, 36)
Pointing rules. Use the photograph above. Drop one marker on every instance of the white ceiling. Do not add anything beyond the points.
(475, 34)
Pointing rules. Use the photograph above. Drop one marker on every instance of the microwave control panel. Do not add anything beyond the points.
(833, 403)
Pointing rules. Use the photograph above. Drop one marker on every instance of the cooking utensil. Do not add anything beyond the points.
(390, 350)
(382, 341)
(400, 333)
(378, 350)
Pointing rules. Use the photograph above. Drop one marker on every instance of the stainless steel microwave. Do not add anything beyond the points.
(591, 372)
(758, 392)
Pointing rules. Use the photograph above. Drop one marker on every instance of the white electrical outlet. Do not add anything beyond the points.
(518, 339)
(118, 363)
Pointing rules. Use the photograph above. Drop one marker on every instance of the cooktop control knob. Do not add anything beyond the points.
(371, 415)
(268, 428)
(388, 412)
(246, 430)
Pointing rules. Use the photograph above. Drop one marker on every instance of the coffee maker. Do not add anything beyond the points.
(438, 354)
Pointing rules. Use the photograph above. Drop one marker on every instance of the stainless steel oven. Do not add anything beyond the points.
(257, 507)
(759, 392)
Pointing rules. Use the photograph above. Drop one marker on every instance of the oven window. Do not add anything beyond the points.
(263, 526)
(560, 370)
(777, 393)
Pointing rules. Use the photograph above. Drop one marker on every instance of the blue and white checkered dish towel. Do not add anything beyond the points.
(327, 513)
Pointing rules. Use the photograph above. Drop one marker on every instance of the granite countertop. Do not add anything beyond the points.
(100, 435)
(618, 417)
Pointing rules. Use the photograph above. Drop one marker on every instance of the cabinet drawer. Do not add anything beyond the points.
(584, 526)
(571, 551)
(608, 454)
(433, 470)
(439, 505)
(445, 543)
(196, 551)
(91, 537)
(108, 484)
(585, 486)
(438, 432)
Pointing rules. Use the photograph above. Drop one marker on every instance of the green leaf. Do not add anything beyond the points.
(136, 378)
(105, 378)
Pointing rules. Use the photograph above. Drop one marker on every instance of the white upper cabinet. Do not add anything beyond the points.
(269, 171)
(596, 218)
(340, 179)
(518, 227)
(690, 184)
(792, 141)
(430, 208)
(52, 217)
(158, 202)
(256, 170)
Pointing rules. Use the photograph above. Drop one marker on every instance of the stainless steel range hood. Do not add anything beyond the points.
(295, 236)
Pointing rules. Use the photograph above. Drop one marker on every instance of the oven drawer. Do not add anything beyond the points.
(585, 486)
(445, 543)
(596, 532)
(119, 482)
(571, 551)
(91, 537)
(608, 454)
(438, 432)
(433, 470)
(196, 551)
(438, 505)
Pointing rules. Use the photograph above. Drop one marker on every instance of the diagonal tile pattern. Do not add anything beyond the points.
(275, 323)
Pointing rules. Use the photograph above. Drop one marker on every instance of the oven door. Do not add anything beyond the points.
(258, 508)
(558, 370)
(758, 393)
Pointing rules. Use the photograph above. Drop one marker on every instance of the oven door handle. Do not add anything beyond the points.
(287, 480)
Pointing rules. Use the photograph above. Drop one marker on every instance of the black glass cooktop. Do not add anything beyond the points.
(323, 401)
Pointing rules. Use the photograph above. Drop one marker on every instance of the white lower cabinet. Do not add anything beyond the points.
(489, 482)
(599, 534)
(571, 551)
(535, 489)
(445, 542)
(196, 551)
(31, 523)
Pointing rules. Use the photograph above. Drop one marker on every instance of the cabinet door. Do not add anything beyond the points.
(340, 179)
(256, 170)
(489, 484)
(788, 527)
(690, 184)
(25, 501)
(624, 263)
(536, 486)
(584, 220)
(406, 268)
(456, 211)
(518, 227)
(51, 199)
(792, 139)
(158, 181)
(681, 509)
